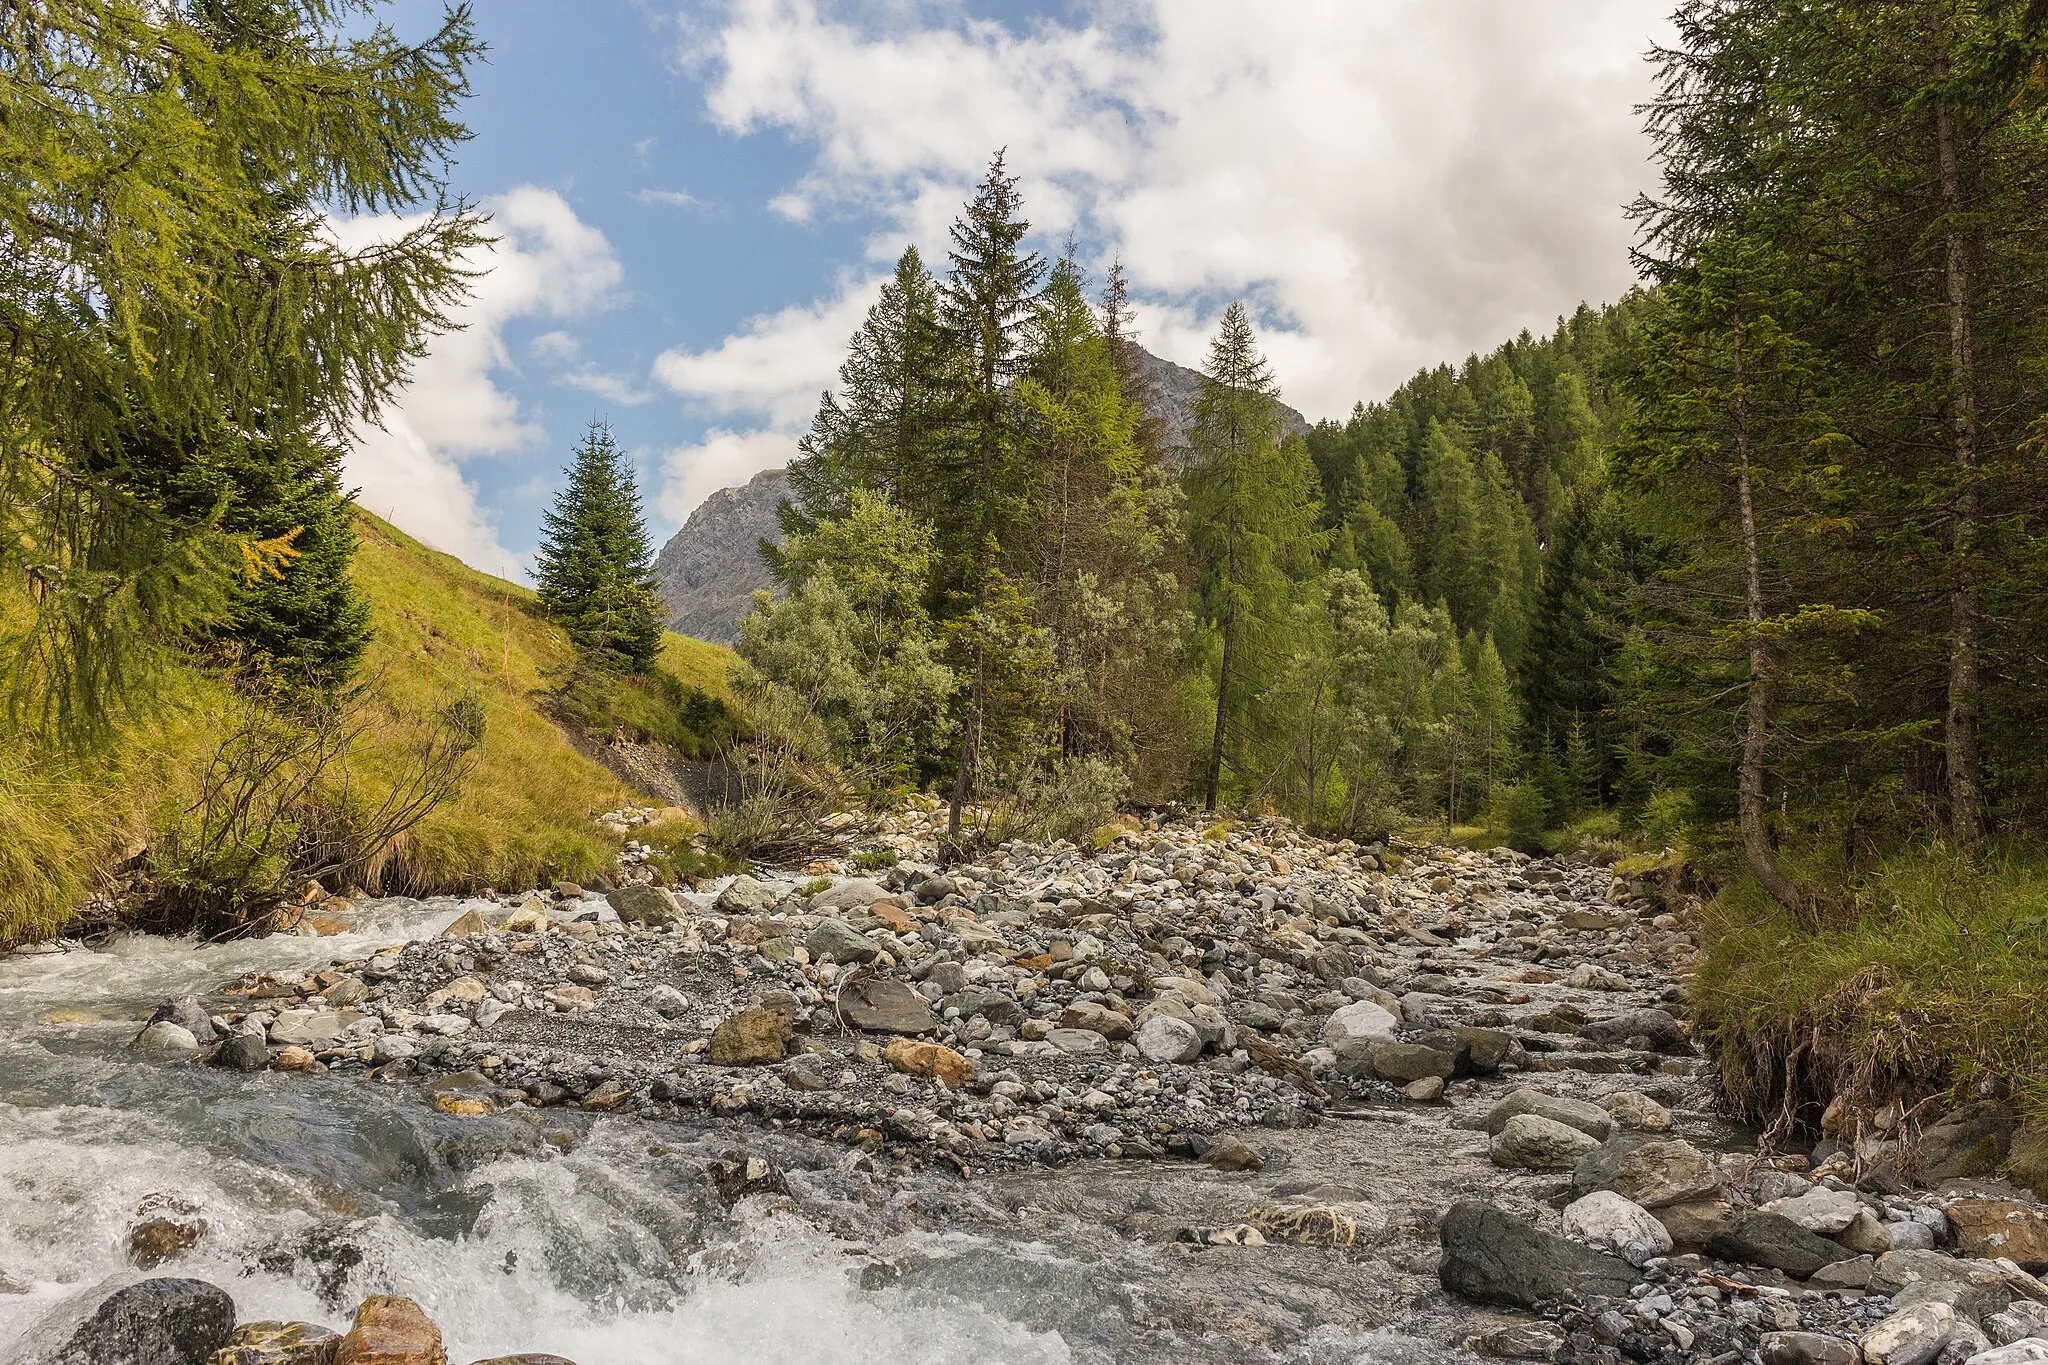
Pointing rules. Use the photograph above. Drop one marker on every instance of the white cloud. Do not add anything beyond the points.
(777, 364)
(1388, 185)
(675, 199)
(546, 263)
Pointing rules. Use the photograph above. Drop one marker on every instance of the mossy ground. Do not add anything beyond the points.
(443, 631)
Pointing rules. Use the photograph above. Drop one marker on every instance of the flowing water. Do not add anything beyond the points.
(604, 1240)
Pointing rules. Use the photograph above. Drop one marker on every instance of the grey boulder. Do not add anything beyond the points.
(1493, 1257)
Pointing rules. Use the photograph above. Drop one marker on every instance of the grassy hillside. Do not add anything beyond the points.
(443, 631)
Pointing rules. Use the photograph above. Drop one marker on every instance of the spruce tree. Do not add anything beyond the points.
(595, 561)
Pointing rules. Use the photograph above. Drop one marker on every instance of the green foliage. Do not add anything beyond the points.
(874, 859)
(171, 288)
(595, 564)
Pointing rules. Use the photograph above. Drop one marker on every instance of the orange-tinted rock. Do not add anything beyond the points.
(391, 1330)
(1991, 1228)
(933, 1060)
(156, 1240)
(279, 1343)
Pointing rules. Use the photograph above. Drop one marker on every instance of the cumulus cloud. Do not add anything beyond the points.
(1387, 185)
(546, 263)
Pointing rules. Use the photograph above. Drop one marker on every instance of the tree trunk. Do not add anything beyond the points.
(1222, 711)
(1959, 727)
(1751, 810)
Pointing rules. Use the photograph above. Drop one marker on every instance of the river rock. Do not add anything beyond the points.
(1899, 1270)
(165, 1036)
(1615, 1224)
(153, 1322)
(1657, 1026)
(1493, 1257)
(668, 1002)
(279, 1343)
(1163, 1038)
(1634, 1110)
(470, 921)
(1590, 1119)
(1227, 1153)
(1654, 1173)
(644, 903)
(1078, 1042)
(754, 1036)
(1694, 1223)
(1990, 1228)
(1352, 1030)
(882, 1004)
(156, 1240)
(1519, 1341)
(1807, 1348)
(931, 1060)
(2024, 1318)
(2026, 1351)
(1404, 1062)
(243, 1052)
(1820, 1210)
(187, 1013)
(1533, 1142)
(526, 1358)
(839, 942)
(1758, 1238)
(391, 1330)
(746, 895)
(1911, 1336)
(1485, 1048)
(856, 894)
(315, 1029)
(1970, 1140)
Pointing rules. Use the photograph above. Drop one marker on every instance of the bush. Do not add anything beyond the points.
(1667, 815)
(1070, 801)
(1525, 814)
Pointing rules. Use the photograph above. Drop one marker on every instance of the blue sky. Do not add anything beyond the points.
(696, 201)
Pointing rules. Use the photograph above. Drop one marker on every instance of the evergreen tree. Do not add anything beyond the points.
(982, 478)
(170, 286)
(595, 562)
(1255, 504)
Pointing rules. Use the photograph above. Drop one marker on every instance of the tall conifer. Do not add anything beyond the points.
(595, 562)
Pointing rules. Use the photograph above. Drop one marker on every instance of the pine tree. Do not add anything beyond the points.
(595, 562)
(1256, 506)
(981, 479)
(170, 283)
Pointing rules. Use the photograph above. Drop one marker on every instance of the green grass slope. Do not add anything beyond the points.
(443, 631)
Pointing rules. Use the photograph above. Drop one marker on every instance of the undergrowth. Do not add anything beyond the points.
(1929, 973)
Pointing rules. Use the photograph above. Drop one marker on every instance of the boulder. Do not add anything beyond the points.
(2026, 1351)
(1911, 1336)
(1654, 1173)
(1615, 1224)
(278, 1343)
(1532, 1142)
(1634, 1110)
(882, 1004)
(1494, 1257)
(2024, 1318)
(1694, 1223)
(1898, 1270)
(668, 1002)
(1078, 1042)
(527, 1358)
(315, 1029)
(187, 1013)
(837, 941)
(153, 1322)
(1485, 1048)
(929, 1060)
(856, 894)
(1866, 1235)
(644, 903)
(165, 1036)
(1754, 1237)
(1163, 1038)
(1807, 1348)
(1971, 1140)
(1662, 1031)
(470, 921)
(1404, 1062)
(745, 895)
(754, 1036)
(1352, 1030)
(243, 1052)
(1820, 1210)
(156, 1240)
(1519, 1341)
(1991, 1228)
(1590, 1119)
(391, 1330)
